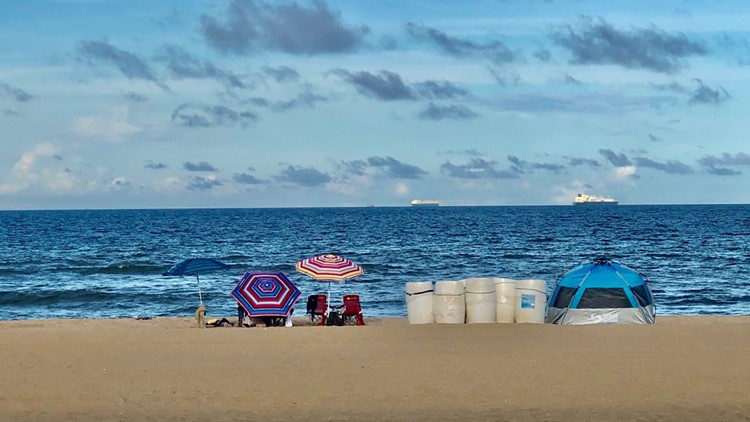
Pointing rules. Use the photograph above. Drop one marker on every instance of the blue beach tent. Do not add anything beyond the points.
(601, 292)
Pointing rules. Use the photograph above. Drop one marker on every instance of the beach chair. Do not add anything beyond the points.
(351, 312)
(316, 308)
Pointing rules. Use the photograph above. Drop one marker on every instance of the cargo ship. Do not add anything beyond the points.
(583, 199)
(425, 203)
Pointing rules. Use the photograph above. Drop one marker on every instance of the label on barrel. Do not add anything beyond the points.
(528, 301)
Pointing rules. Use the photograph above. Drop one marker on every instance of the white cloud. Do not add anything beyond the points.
(60, 181)
(353, 184)
(171, 184)
(11, 187)
(24, 173)
(624, 172)
(117, 184)
(400, 188)
(27, 160)
(112, 128)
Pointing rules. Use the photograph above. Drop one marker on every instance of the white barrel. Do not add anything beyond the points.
(505, 300)
(449, 304)
(531, 300)
(480, 300)
(419, 302)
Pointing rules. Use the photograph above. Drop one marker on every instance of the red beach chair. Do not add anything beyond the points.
(316, 307)
(352, 311)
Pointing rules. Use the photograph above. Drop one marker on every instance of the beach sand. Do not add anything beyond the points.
(681, 368)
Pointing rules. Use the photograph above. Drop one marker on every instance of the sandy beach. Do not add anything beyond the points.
(681, 368)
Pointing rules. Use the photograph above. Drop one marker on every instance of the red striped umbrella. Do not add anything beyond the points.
(329, 267)
(266, 294)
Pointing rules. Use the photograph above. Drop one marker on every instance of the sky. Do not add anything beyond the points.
(254, 103)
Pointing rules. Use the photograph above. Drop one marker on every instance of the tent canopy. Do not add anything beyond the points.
(604, 291)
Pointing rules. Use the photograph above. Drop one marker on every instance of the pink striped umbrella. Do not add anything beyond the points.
(329, 267)
(266, 294)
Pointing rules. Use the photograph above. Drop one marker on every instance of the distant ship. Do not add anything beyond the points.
(425, 203)
(583, 199)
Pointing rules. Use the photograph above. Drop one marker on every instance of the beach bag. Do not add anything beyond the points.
(334, 319)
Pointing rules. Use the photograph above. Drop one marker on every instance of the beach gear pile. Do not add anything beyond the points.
(597, 292)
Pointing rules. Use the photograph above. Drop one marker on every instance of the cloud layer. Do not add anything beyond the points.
(259, 102)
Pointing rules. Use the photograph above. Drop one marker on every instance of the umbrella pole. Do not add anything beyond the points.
(200, 296)
(328, 308)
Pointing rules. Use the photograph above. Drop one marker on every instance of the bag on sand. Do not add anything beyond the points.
(334, 319)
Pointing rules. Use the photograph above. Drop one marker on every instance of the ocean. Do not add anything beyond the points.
(108, 263)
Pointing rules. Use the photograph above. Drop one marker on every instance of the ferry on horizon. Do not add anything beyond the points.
(583, 199)
(425, 203)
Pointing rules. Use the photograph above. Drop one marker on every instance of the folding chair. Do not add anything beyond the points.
(352, 311)
(316, 308)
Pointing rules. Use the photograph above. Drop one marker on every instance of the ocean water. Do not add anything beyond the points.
(108, 263)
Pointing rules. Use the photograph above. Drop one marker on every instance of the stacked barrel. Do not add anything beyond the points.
(476, 301)
(419, 296)
(449, 302)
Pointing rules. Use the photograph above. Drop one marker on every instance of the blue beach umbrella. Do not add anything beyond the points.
(196, 266)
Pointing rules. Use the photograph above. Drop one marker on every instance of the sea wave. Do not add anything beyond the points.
(52, 297)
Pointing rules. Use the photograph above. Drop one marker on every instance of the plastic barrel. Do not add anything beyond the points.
(531, 300)
(419, 302)
(480, 300)
(505, 296)
(449, 305)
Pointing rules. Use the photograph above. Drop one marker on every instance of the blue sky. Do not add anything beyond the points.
(249, 103)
